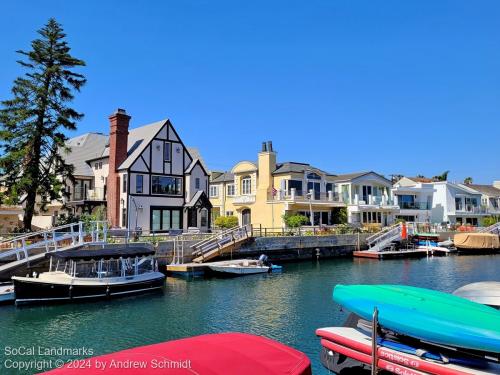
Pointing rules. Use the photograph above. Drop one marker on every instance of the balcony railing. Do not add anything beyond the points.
(84, 194)
(244, 199)
(468, 209)
(300, 196)
(375, 200)
(414, 205)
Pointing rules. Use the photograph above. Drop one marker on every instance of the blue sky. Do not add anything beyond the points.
(409, 87)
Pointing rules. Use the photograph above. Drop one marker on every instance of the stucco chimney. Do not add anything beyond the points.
(496, 184)
(266, 165)
(118, 138)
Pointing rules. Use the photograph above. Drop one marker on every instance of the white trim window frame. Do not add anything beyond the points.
(231, 191)
(246, 185)
(214, 191)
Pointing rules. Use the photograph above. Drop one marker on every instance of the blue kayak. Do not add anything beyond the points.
(425, 314)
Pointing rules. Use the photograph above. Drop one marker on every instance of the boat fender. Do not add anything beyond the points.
(70, 291)
(107, 291)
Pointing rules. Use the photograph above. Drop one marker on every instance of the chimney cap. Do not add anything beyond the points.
(270, 146)
(121, 111)
(264, 146)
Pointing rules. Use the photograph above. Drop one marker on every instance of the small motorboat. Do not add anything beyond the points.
(7, 294)
(83, 274)
(485, 292)
(215, 354)
(246, 267)
(238, 269)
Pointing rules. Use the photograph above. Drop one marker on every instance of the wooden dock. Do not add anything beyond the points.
(199, 269)
(417, 253)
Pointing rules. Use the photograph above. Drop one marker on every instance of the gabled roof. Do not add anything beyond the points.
(199, 200)
(195, 154)
(138, 140)
(223, 177)
(485, 189)
(84, 147)
(352, 176)
(294, 167)
(193, 164)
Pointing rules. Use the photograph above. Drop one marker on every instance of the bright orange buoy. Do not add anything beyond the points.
(404, 233)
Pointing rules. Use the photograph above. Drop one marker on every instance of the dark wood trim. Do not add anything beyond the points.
(148, 167)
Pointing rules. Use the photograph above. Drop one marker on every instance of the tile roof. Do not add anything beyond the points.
(294, 167)
(223, 177)
(84, 147)
(352, 176)
(485, 189)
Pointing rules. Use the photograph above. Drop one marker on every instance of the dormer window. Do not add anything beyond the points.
(313, 176)
(246, 185)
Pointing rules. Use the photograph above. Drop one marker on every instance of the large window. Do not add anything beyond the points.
(139, 183)
(246, 185)
(458, 204)
(230, 190)
(164, 219)
(197, 183)
(406, 201)
(166, 185)
(214, 191)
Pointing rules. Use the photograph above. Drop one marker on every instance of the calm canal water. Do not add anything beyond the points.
(287, 307)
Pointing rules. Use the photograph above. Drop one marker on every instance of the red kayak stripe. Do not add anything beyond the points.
(365, 358)
(394, 356)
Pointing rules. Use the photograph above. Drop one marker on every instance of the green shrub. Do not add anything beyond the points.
(226, 222)
(490, 220)
(295, 221)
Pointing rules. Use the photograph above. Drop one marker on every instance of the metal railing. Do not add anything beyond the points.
(317, 230)
(220, 240)
(414, 205)
(55, 239)
(300, 196)
(494, 228)
(384, 234)
(95, 194)
(471, 209)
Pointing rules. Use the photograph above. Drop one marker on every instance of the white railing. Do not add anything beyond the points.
(220, 240)
(382, 239)
(494, 228)
(55, 239)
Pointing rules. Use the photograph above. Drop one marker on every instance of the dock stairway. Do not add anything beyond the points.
(31, 248)
(494, 229)
(220, 244)
(384, 239)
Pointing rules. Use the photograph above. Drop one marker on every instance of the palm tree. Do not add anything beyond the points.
(442, 177)
(468, 180)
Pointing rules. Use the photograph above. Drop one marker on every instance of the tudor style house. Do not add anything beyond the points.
(146, 177)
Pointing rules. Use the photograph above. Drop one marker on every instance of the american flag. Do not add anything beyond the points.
(274, 191)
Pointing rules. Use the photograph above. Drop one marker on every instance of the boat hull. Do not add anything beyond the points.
(32, 290)
(425, 314)
(228, 271)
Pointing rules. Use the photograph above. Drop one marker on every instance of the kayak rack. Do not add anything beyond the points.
(374, 341)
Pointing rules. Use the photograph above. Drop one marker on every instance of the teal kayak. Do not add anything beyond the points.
(425, 314)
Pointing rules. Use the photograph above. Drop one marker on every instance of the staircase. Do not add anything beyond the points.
(383, 239)
(221, 243)
(494, 229)
(31, 248)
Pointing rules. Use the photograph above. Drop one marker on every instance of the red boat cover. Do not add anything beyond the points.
(223, 353)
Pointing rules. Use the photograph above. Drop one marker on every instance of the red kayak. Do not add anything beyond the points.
(223, 353)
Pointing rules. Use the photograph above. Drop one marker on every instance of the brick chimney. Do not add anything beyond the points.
(118, 138)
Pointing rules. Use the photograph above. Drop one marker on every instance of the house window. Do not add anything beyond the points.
(230, 190)
(197, 183)
(164, 219)
(139, 183)
(229, 213)
(313, 176)
(246, 185)
(167, 148)
(124, 217)
(204, 218)
(124, 182)
(166, 185)
(100, 165)
(96, 166)
(458, 203)
(329, 187)
(214, 191)
(295, 184)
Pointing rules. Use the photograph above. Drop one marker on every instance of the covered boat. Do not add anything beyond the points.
(477, 241)
(77, 274)
(213, 354)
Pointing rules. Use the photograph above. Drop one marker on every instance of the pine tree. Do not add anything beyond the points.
(32, 123)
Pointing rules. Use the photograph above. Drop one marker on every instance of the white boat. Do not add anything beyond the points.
(7, 294)
(486, 293)
(239, 269)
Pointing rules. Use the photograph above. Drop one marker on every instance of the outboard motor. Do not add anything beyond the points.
(263, 260)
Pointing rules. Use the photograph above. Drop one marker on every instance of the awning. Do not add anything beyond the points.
(199, 200)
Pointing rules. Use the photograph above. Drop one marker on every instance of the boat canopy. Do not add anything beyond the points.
(109, 253)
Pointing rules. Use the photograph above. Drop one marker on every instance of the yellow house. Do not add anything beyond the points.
(260, 193)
